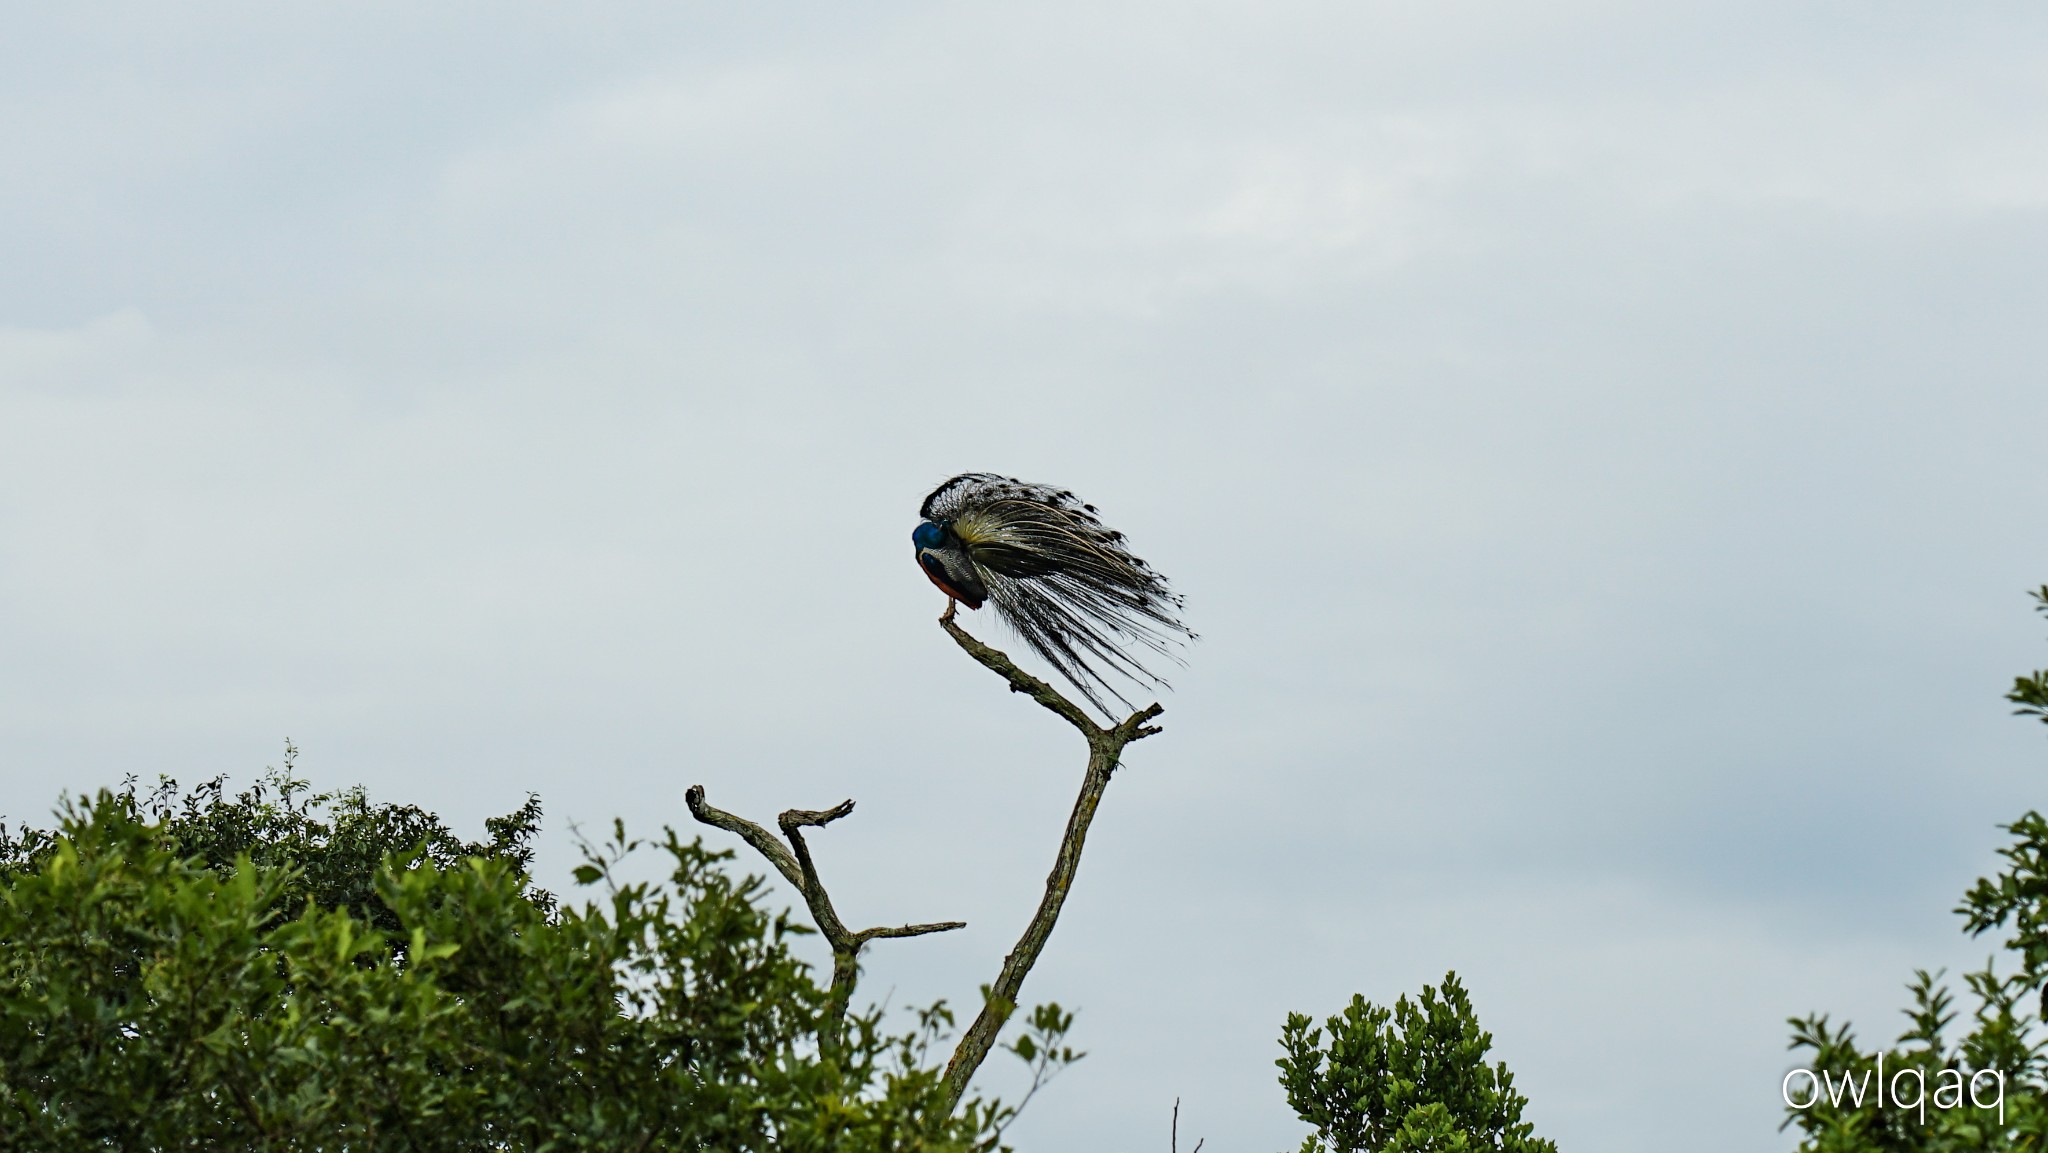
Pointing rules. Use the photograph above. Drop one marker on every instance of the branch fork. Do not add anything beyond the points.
(796, 866)
(1105, 749)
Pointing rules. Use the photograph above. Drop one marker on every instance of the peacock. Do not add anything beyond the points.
(1062, 580)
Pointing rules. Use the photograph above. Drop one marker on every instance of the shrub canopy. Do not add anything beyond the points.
(280, 971)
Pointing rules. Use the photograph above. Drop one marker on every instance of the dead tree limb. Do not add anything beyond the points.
(800, 871)
(1105, 747)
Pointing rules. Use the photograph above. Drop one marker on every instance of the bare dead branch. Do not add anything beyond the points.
(792, 818)
(812, 887)
(795, 864)
(763, 841)
(1105, 749)
(908, 930)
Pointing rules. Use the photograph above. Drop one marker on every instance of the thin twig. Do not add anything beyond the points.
(1040, 1078)
(802, 873)
(866, 935)
(1173, 1143)
(792, 818)
(1105, 747)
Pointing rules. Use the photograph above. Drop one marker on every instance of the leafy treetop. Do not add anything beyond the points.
(1411, 1079)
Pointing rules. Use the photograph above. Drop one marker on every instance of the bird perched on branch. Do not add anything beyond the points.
(1056, 574)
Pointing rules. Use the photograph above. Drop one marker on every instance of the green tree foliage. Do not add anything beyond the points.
(2030, 692)
(332, 844)
(1849, 1114)
(2003, 1034)
(1411, 1079)
(279, 971)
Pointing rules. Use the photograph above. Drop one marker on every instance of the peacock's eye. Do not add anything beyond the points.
(927, 535)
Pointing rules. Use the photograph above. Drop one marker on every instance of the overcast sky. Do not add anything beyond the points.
(1600, 444)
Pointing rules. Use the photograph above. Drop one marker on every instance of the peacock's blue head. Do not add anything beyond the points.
(928, 535)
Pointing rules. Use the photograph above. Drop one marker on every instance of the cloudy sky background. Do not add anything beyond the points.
(1601, 446)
